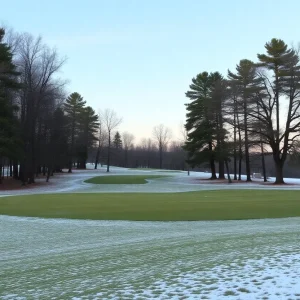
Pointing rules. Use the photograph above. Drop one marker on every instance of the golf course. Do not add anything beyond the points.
(192, 240)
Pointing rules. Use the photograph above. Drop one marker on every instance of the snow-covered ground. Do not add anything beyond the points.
(76, 259)
(70, 259)
(176, 182)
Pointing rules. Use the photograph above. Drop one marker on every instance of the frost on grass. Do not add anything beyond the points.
(68, 259)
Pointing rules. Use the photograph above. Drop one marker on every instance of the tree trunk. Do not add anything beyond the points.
(235, 161)
(247, 156)
(37, 171)
(212, 162)
(126, 158)
(44, 170)
(213, 169)
(22, 173)
(108, 153)
(279, 171)
(263, 165)
(31, 177)
(49, 170)
(15, 170)
(32, 159)
(83, 164)
(221, 169)
(7, 170)
(10, 168)
(240, 149)
(234, 143)
(31, 170)
(97, 158)
(240, 166)
(48, 174)
(160, 157)
(70, 166)
(227, 170)
(0, 170)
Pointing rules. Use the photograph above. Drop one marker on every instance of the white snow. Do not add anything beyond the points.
(75, 259)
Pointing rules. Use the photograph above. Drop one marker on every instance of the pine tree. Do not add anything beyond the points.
(58, 140)
(248, 84)
(200, 123)
(88, 126)
(117, 141)
(218, 96)
(73, 108)
(9, 139)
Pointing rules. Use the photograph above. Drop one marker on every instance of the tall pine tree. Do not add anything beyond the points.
(73, 108)
(89, 123)
(9, 139)
(200, 123)
(248, 84)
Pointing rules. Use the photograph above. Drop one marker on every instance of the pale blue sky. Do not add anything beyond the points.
(138, 57)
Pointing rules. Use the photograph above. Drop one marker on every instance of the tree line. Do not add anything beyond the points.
(43, 130)
(40, 128)
(157, 152)
(255, 108)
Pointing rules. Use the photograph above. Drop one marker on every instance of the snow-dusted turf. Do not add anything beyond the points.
(70, 259)
(65, 259)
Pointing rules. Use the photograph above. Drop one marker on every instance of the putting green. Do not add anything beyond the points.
(204, 205)
(123, 179)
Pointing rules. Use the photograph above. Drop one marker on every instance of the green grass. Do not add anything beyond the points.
(204, 205)
(123, 179)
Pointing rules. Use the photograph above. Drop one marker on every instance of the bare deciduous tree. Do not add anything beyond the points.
(38, 65)
(12, 38)
(183, 140)
(284, 85)
(102, 138)
(111, 121)
(148, 146)
(162, 136)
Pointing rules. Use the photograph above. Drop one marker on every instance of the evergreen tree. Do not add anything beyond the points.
(117, 141)
(248, 84)
(218, 96)
(9, 139)
(88, 127)
(200, 123)
(205, 122)
(73, 108)
(59, 141)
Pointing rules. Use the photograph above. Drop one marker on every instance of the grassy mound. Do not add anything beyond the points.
(123, 179)
(204, 205)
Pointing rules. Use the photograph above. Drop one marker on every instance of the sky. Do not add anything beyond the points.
(138, 57)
